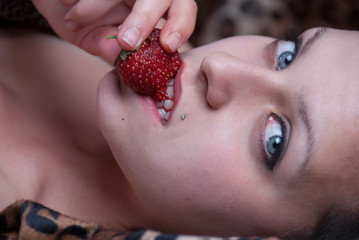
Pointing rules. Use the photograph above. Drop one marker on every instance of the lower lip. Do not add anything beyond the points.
(150, 107)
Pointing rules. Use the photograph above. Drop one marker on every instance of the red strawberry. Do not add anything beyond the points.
(149, 69)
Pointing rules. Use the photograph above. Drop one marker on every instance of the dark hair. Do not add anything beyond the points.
(335, 224)
(338, 224)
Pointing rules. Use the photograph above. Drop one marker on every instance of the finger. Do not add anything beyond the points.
(139, 24)
(86, 12)
(130, 3)
(97, 43)
(68, 3)
(180, 24)
(93, 38)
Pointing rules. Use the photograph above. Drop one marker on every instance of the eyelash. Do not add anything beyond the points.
(294, 38)
(271, 161)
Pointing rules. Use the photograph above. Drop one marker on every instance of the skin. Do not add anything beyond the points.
(208, 170)
(187, 176)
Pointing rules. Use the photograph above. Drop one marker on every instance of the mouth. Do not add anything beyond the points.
(165, 107)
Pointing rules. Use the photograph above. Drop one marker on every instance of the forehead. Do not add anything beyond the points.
(331, 79)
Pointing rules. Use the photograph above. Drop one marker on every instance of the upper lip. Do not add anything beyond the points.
(178, 91)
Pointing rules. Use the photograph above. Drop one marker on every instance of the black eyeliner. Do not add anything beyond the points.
(294, 37)
(272, 162)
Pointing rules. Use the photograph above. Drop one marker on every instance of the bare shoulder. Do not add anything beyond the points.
(47, 89)
(51, 76)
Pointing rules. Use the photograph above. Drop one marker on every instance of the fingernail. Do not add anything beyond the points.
(132, 36)
(71, 26)
(174, 41)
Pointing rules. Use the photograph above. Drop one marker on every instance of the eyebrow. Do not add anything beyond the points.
(303, 110)
(310, 42)
(305, 116)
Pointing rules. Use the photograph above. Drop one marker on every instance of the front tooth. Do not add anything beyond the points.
(170, 91)
(161, 112)
(159, 104)
(167, 115)
(168, 104)
(172, 82)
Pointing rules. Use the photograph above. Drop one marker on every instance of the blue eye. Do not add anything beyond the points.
(275, 140)
(286, 53)
(287, 50)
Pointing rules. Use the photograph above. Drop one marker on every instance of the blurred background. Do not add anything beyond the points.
(224, 18)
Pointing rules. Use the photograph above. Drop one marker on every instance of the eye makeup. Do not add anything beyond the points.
(283, 50)
(274, 139)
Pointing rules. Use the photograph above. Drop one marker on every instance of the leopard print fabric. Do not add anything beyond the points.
(219, 19)
(27, 220)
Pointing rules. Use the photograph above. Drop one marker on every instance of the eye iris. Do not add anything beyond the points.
(273, 144)
(285, 59)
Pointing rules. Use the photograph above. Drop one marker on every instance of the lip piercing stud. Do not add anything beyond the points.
(183, 116)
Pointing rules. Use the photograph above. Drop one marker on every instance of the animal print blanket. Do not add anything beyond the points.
(26, 220)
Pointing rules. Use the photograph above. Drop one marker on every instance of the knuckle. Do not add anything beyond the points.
(146, 17)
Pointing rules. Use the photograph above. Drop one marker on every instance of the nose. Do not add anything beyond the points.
(230, 78)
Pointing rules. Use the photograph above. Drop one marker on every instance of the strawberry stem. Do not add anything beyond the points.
(111, 37)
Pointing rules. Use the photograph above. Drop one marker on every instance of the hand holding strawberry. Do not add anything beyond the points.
(149, 69)
(86, 23)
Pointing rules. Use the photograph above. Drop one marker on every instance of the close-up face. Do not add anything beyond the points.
(262, 138)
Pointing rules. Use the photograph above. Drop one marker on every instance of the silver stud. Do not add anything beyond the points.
(183, 116)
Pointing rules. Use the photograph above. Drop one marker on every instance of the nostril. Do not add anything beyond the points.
(217, 97)
(218, 78)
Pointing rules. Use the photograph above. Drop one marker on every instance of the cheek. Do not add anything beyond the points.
(206, 176)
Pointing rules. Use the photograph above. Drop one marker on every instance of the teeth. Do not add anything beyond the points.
(168, 104)
(170, 91)
(164, 107)
(167, 115)
(162, 112)
(159, 104)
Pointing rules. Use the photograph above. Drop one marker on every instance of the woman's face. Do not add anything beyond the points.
(269, 139)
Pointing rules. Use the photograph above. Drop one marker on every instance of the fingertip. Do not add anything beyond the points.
(174, 41)
(72, 26)
(129, 38)
(180, 24)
